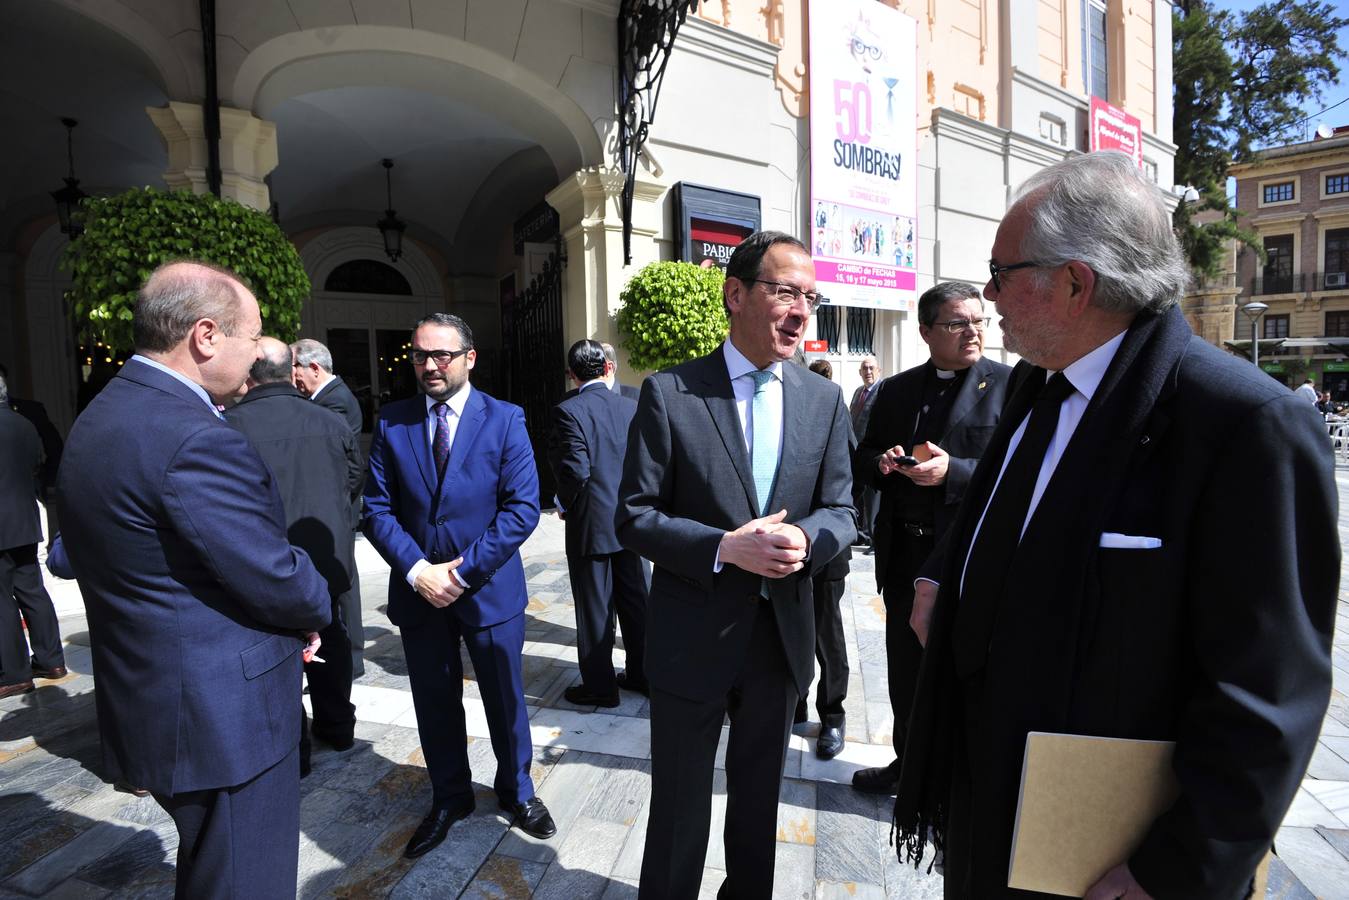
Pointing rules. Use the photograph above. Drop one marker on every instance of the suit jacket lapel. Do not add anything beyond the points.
(720, 400)
(415, 431)
(793, 423)
(465, 436)
(972, 393)
(986, 473)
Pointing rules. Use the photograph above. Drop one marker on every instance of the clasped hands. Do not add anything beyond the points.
(931, 468)
(766, 546)
(437, 586)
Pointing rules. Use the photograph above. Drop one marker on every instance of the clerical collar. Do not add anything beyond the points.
(944, 375)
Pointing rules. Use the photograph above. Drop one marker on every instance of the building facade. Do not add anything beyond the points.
(1296, 197)
(500, 118)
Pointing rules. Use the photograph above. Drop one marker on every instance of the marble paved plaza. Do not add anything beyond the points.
(66, 833)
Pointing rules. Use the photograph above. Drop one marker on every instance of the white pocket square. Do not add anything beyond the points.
(1129, 541)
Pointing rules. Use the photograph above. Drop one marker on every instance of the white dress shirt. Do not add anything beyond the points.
(328, 378)
(1085, 376)
(739, 369)
(456, 402)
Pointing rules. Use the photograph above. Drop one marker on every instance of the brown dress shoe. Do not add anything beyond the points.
(14, 690)
(53, 674)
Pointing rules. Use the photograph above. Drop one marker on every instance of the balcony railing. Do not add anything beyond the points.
(1331, 281)
(1278, 284)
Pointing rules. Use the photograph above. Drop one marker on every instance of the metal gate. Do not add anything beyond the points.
(532, 336)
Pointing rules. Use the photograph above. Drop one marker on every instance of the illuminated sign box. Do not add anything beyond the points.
(711, 223)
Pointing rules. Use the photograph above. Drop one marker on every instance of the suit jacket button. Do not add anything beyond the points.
(440, 521)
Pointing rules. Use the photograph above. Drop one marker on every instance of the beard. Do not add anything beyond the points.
(443, 386)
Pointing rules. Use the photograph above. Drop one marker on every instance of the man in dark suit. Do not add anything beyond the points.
(318, 469)
(627, 390)
(586, 444)
(52, 445)
(21, 590)
(452, 494)
(199, 608)
(944, 411)
(1089, 583)
(859, 408)
(314, 379)
(736, 486)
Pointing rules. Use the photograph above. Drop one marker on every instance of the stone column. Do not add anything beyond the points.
(247, 151)
(1211, 311)
(589, 208)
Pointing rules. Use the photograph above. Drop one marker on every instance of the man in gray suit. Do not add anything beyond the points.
(736, 486)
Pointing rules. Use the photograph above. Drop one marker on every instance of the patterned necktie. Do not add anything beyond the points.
(440, 444)
(999, 536)
(763, 448)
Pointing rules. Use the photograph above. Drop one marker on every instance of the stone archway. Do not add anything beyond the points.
(297, 62)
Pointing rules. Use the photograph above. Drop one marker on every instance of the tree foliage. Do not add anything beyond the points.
(1241, 80)
(127, 236)
(672, 312)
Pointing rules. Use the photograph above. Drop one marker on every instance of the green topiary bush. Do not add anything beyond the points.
(672, 312)
(127, 236)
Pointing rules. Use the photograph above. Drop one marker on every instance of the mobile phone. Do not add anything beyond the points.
(906, 461)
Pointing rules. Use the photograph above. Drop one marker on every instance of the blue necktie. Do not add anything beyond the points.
(763, 448)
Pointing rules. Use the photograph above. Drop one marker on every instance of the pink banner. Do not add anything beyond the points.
(864, 275)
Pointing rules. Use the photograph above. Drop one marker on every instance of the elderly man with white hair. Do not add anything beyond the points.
(1089, 584)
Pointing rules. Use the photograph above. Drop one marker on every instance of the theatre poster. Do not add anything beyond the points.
(863, 149)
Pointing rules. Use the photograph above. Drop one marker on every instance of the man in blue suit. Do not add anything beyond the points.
(451, 496)
(199, 608)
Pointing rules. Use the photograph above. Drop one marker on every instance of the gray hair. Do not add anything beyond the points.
(4, 392)
(1099, 209)
(178, 295)
(932, 300)
(610, 354)
(308, 350)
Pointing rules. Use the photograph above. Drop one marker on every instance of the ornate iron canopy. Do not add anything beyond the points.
(646, 34)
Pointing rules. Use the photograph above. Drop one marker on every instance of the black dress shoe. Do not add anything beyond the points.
(830, 743)
(584, 696)
(337, 738)
(531, 817)
(436, 825)
(628, 683)
(880, 780)
(127, 787)
(52, 674)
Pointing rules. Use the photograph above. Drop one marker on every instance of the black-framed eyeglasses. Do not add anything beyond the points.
(955, 326)
(786, 294)
(442, 357)
(995, 270)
